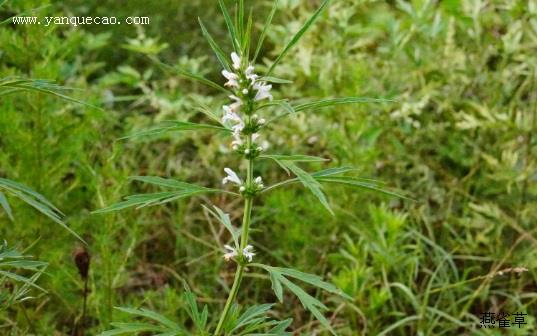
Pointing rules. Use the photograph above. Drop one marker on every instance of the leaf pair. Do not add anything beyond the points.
(307, 180)
(313, 181)
(179, 190)
(14, 85)
(280, 279)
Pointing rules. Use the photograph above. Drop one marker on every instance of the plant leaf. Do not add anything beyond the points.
(189, 75)
(5, 205)
(174, 126)
(298, 36)
(181, 190)
(278, 277)
(222, 58)
(306, 179)
(266, 26)
(230, 27)
(354, 182)
(338, 101)
(226, 221)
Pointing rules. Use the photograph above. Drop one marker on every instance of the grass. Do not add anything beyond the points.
(458, 138)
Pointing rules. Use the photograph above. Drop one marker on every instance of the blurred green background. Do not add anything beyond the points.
(459, 138)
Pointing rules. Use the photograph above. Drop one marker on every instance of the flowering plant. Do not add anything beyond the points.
(242, 118)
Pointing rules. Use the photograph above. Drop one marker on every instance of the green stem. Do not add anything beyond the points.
(248, 202)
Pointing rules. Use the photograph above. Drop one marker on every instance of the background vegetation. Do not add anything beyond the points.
(459, 138)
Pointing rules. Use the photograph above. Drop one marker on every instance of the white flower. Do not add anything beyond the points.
(261, 121)
(236, 61)
(259, 182)
(230, 115)
(255, 136)
(231, 177)
(248, 253)
(235, 106)
(263, 91)
(233, 79)
(231, 252)
(237, 141)
(250, 74)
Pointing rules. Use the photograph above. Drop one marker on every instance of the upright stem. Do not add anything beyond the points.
(248, 202)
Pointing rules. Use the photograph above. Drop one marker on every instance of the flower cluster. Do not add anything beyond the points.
(243, 188)
(231, 253)
(247, 89)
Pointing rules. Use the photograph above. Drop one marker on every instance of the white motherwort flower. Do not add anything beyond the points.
(263, 91)
(231, 177)
(259, 182)
(237, 140)
(236, 60)
(248, 253)
(233, 79)
(236, 105)
(230, 252)
(249, 72)
(230, 115)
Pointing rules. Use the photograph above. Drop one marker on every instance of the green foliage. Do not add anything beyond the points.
(180, 190)
(12, 261)
(279, 277)
(457, 134)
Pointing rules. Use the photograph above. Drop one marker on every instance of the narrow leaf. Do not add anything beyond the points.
(214, 46)
(298, 36)
(263, 34)
(338, 101)
(5, 205)
(174, 126)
